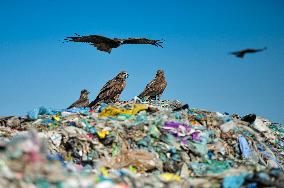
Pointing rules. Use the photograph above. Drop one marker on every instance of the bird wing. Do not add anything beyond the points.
(239, 54)
(255, 50)
(242, 53)
(89, 39)
(110, 90)
(111, 83)
(102, 43)
(149, 89)
(142, 41)
(79, 103)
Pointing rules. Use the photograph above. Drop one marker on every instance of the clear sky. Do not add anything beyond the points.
(37, 69)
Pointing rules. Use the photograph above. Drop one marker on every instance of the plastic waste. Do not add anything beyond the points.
(142, 160)
(234, 181)
(112, 111)
(139, 145)
(244, 146)
(211, 167)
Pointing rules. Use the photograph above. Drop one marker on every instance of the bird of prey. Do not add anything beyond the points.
(155, 88)
(242, 53)
(111, 90)
(83, 101)
(106, 44)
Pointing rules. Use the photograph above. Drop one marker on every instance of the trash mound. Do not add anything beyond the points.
(150, 144)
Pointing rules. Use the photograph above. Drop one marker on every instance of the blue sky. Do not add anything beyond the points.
(37, 69)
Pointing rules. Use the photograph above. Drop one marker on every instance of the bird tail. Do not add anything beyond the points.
(94, 103)
(73, 39)
(141, 95)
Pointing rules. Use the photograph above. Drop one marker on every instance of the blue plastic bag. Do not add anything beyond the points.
(244, 146)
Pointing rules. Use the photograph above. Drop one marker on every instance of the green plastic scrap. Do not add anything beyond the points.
(178, 115)
(170, 140)
(278, 128)
(115, 149)
(198, 148)
(42, 183)
(59, 185)
(211, 167)
(122, 117)
(145, 142)
(162, 157)
(234, 181)
(154, 131)
(141, 117)
(91, 155)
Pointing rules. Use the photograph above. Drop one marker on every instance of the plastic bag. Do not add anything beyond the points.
(140, 159)
(244, 146)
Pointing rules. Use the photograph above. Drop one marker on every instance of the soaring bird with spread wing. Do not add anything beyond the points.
(83, 101)
(106, 44)
(242, 53)
(156, 87)
(111, 90)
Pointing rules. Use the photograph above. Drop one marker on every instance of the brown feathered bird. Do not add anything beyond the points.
(112, 89)
(242, 53)
(83, 101)
(155, 88)
(106, 44)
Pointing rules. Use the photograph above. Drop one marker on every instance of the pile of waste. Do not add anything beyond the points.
(146, 144)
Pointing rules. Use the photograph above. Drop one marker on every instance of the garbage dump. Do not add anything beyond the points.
(131, 145)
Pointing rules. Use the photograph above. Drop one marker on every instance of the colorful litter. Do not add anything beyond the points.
(128, 145)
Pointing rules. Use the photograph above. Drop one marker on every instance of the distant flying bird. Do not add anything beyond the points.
(83, 101)
(242, 53)
(111, 90)
(106, 44)
(155, 88)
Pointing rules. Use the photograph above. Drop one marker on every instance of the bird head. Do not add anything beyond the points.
(160, 73)
(84, 93)
(122, 75)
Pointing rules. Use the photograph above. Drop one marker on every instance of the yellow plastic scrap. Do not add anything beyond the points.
(170, 177)
(68, 157)
(132, 169)
(104, 171)
(102, 134)
(56, 117)
(195, 123)
(112, 111)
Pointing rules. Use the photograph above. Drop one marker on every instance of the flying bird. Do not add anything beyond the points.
(106, 44)
(155, 88)
(83, 101)
(242, 53)
(111, 90)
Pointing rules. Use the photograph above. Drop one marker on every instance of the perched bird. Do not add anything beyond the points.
(156, 87)
(106, 44)
(242, 53)
(111, 90)
(83, 101)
